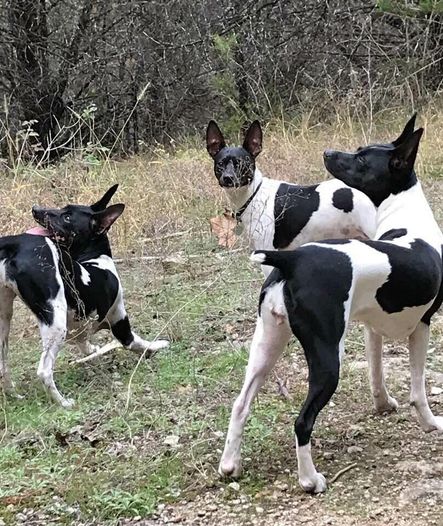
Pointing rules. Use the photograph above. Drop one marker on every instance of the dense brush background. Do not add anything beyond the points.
(125, 74)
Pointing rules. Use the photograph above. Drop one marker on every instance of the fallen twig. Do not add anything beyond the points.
(342, 471)
(100, 352)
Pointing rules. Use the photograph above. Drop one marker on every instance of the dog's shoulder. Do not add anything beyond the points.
(97, 284)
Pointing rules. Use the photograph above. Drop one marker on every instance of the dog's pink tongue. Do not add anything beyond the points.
(38, 231)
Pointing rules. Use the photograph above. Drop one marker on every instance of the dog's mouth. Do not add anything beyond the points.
(45, 228)
(234, 183)
(38, 231)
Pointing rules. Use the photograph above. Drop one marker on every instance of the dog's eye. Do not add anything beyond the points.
(67, 218)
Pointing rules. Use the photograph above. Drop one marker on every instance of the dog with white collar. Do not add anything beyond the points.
(280, 215)
(64, 273)
(392, 284)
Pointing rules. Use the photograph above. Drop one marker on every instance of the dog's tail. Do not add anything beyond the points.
(283, 260)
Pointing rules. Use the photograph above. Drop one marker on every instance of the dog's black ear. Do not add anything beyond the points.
(405, 153)
(102, 203)
(253, 139)
(103, 220)
(408, 130)
(214, 139)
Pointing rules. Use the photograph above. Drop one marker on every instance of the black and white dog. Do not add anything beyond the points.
(280, 215)
(65, 274)
(393, 285)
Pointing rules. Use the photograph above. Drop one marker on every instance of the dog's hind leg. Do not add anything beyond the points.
(324, 369)
(53, 333)
(374, 352)
(6, 306)
(418, 348)
(272, 334)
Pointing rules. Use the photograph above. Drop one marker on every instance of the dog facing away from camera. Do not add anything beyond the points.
(280, 215)
(392, 284)
(64, 273)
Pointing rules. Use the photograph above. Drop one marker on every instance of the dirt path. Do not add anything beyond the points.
(396, 479)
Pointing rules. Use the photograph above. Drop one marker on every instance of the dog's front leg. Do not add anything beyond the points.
(121, 329)
(418, 348)
(53, 335)
(270, 337)
(383, 402)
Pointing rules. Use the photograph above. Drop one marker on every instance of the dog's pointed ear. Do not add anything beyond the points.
(408, 130)
(405, 153)
(253, 139)
(103, 220)
(214, 139)
(102, 203)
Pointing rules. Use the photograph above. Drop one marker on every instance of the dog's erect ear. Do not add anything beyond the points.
(408, 130)
(102, 203)
(405, 153)
(214, 139)
(103, 220)
(253, 139)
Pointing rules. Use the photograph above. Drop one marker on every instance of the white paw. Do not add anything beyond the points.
(67, 403)
(156, 345)
(385, 406)
(438, 424)
(314, 484)
(230, 468)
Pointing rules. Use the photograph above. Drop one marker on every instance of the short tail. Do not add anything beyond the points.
(283, 260)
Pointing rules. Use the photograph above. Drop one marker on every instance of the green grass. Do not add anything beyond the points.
(107, 459)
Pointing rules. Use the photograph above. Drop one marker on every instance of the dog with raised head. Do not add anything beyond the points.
(281, 215)
(64, 273)
(392, 284)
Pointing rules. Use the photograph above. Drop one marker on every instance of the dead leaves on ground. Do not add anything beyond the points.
(224, 229)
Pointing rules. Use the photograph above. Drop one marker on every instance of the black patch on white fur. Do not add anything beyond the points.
(343, 199)
(122, 331)
(293, 208)
(393, 234)
(437, 302)
(415, 276)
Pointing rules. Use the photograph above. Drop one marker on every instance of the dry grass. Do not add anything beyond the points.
(169, 191)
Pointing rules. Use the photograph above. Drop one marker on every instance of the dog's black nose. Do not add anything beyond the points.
(327, 154)
(226, 180)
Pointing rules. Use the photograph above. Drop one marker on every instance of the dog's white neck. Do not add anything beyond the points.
(239, 196)
(409, 210)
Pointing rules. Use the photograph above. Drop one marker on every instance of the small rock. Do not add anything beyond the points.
(259, 509)
(436, 390)
(352, 450)
(234, 485)
(171, 440)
